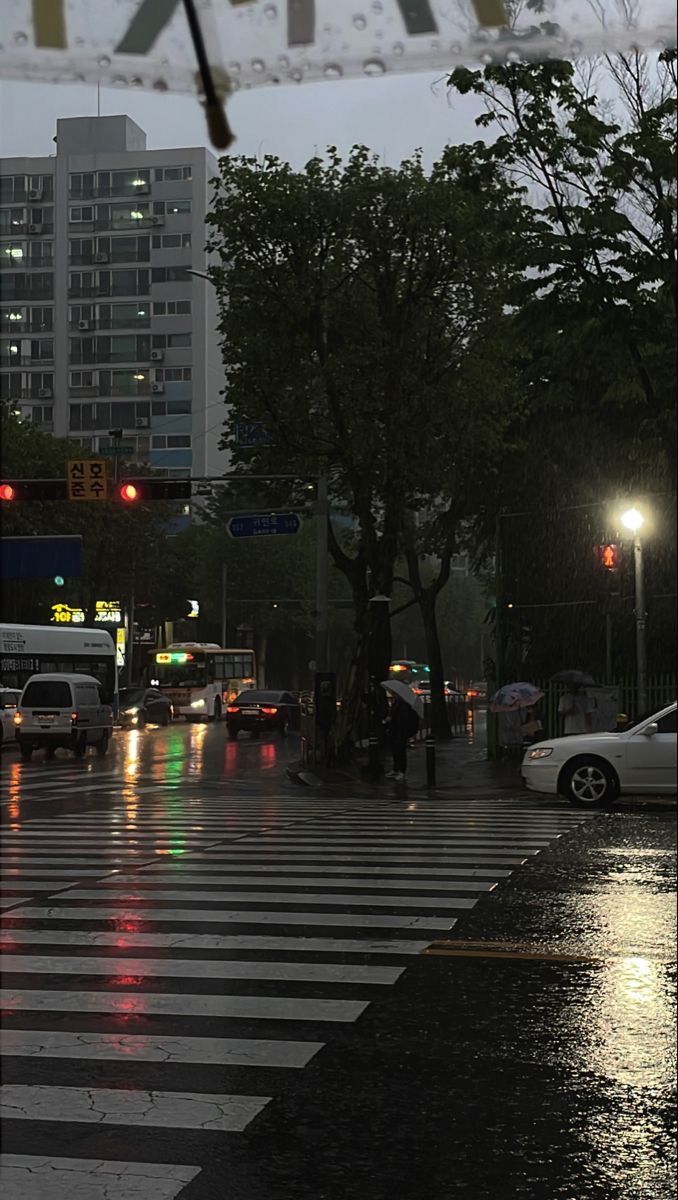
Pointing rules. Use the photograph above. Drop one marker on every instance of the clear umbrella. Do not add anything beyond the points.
(397, 688)
(513, 696)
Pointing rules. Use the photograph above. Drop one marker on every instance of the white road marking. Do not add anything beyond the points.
(41, 1177)
(8, 902)
(208, 941)
(198, 872)
(268, 1008)
(227, 897)
(122, 1106)
(461, 884)
(236, 917)
(199, 969)
(241, 1052)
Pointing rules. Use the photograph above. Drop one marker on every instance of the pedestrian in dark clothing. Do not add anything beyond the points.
(403, 724)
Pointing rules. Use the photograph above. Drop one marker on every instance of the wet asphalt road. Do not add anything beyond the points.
(525, 1046)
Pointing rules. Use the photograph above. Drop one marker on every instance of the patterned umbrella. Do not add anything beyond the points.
(513, 696)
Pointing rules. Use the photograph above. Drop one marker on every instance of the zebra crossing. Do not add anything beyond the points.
(171, 962)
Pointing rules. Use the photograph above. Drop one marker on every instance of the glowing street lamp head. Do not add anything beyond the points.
(633, 520)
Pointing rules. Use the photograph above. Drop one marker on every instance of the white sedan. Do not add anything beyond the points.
(592, 769)
(9, 698)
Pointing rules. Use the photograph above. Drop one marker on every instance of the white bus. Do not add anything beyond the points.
(27, 650)
(201, 678)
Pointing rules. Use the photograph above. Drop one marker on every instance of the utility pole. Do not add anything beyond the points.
(641, 618)
(499, 606)
(224, 579)
(321, 578)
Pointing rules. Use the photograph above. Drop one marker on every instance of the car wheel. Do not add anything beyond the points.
(26, 752)
(80, 746)
(232, 731)
(589, 783)
(102, 746)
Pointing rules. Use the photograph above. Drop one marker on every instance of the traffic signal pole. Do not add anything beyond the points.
(322, 570)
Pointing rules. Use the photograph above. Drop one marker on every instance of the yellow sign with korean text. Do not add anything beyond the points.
(87, 479)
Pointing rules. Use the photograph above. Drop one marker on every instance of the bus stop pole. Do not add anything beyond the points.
(224, 578)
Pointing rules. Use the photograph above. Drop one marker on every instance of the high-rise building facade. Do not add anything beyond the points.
(103, 326)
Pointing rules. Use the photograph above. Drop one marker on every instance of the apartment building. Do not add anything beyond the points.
(102, 324)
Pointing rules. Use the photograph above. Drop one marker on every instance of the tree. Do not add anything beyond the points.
(356, 305)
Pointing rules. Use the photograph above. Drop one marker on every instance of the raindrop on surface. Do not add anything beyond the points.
(359, 21)
(486, 57)
(374, 66)
(332, 71)
(103, 61)
(233, 68)
(160, 85)
(21, 38)
(377, 7)
(455, 48)
(398, 49)
(283, 61)
(137, 81)
(119, 81)
(513, 56)
(270, 12)
(79, 41)
(296, 76)
(258, 65)
(576, 47)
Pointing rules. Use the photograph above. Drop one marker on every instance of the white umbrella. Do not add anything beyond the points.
(398, 688)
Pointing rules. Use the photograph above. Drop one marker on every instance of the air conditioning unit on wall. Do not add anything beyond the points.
(157, 355)
(157, 387)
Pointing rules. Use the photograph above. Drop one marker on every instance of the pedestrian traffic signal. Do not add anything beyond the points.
(32, 489)
(610, 556)
(153, 487)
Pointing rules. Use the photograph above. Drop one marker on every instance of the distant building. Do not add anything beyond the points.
(101, 325)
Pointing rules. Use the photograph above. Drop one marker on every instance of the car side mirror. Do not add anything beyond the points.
(651, 729)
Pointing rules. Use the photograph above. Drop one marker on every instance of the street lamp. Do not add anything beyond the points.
(633, 520)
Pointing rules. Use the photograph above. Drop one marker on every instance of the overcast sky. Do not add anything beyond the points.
(392, 115)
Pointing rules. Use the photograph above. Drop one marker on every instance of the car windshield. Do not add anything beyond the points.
(259, 697)
(47, 693)
(9, 699)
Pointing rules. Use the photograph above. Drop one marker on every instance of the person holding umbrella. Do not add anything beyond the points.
(576, 707)
(403, 724)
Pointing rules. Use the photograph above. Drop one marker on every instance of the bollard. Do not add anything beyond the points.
(373, 752)
(430, 762)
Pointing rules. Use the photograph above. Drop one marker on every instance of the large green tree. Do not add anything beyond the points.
(358, 303)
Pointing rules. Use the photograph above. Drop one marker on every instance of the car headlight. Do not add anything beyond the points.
(197, 703)
(130, 712)
(541, 752)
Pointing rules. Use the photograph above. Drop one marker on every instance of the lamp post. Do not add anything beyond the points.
(633, 520)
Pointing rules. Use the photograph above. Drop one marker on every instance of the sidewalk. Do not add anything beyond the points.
(462, 768)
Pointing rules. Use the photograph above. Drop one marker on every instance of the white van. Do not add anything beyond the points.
(62, 710)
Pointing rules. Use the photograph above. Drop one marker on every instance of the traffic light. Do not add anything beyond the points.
(140, 491)
(610, 556)
(15, 490)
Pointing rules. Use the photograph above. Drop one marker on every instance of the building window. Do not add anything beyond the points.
(171, 241)
(12, 187)
(81, 185)
(172, 308)
(168, 275)
(81, 213)
(168, 208)
(170, 174)
(171, 341)
(172, 374)
(78, 379)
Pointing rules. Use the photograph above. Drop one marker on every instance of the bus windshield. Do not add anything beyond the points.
(181, 674)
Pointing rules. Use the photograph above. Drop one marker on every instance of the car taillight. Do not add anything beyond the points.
(232, 708)
(74, 717)
(270, 712)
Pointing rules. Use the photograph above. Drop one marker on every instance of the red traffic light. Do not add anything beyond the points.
(7, 492)
(610, 556)
(129, 492)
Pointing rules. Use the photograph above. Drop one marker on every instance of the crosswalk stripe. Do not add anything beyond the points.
(115, 1106)
(243, 1052)
(198, 872)
(250, 854)
(173, 968)
(7, 901)
(44, 1177)
(35, 885)
(228, 897)
(209, 941)
(416, 885)
(26, 871)
(269, 1008)
(235, 917)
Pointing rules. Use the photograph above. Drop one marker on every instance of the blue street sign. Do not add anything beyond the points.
(40, 557)
(252, 433)
(263, 526)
